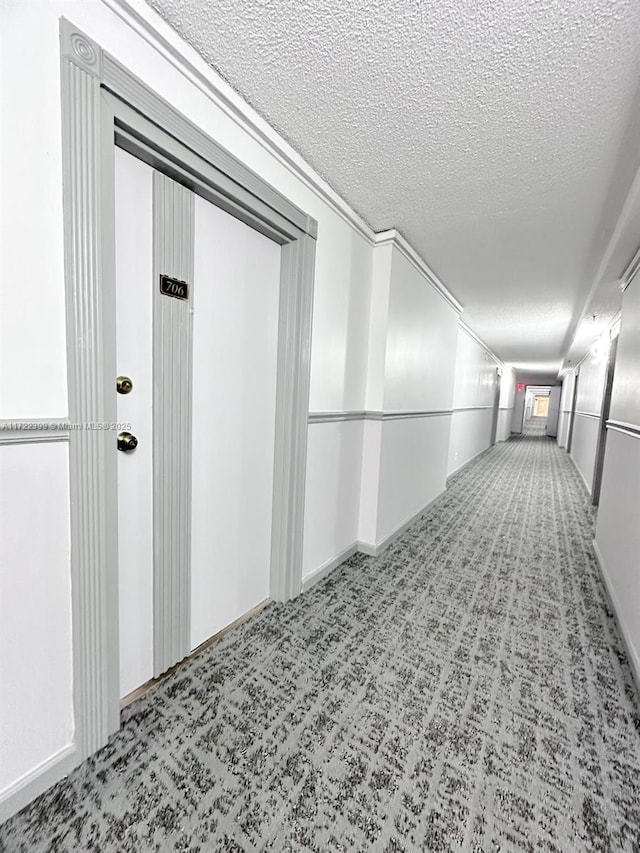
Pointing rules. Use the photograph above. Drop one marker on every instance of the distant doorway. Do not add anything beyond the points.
(540, 406)
(536, 409)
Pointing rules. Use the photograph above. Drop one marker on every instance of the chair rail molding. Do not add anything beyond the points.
(372, 415)
(34, 430)
(627, 429)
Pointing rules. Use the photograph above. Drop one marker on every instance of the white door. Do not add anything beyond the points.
(554, 410)
(235, 342)
(234, 300)
(134, 273)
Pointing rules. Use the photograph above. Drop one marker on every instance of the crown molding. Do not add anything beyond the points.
(630, 271)
(187, 61)
(160, 36)
(462, 325)
(394, 237)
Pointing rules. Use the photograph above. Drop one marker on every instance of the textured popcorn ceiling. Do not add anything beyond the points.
(486, 131)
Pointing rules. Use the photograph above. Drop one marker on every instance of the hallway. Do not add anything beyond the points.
(466, 690)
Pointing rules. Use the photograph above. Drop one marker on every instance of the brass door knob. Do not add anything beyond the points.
(127, 442)
(123, 384)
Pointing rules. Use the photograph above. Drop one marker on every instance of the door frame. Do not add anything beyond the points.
(555, 393)
(496, 406)
(99, 99)
(598, 468)
(572, 411)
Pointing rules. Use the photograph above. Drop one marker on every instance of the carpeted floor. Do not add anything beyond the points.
(467, 690)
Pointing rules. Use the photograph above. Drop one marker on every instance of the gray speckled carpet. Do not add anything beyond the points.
(467, 690)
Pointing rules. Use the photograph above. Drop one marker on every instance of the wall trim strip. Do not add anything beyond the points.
(627, 429)
(34, 430)
(400, 416)
(588, 415)
(333, 417)
(470, 408)
(370, 415)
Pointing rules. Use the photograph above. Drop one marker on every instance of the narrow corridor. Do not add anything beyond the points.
(467, 690)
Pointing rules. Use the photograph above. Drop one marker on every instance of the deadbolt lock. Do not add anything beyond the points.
(126, 441)
(123, 385)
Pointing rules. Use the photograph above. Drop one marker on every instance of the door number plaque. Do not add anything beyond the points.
(174, 287)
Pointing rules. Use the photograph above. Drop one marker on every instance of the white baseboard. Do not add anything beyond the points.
(582, 477)
(25, 789)
(632, 653)
(363, 548)
(366, 548)
(382, 544)
(468, 462)
(326, 568)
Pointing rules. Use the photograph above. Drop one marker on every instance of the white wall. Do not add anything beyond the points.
(32, 319)
(584, 446)
(36, 716)
(332, 498)
(584, 443)
(35, 652)
(412, 342)
(340, 352)
(618, 530)
(420, 343)
(473, 401)
(413, 469)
